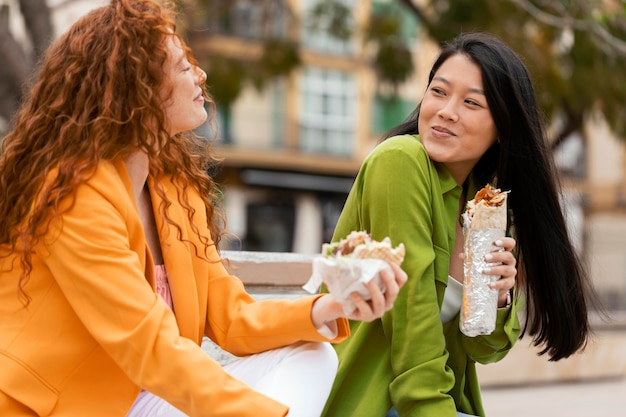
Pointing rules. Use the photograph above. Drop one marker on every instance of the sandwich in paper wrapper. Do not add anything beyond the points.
(346, 266)
(484, 221)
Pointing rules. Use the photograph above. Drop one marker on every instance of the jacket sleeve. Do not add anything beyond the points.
(232, 318)
(394, 199)
(102, 276)
(241, 325)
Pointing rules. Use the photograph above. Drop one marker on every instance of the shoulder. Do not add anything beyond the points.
(109, 186)
(403, 154)
(401, 143)
(108, 179)
(110, 174)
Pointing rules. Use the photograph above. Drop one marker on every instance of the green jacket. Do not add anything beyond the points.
(409, 359)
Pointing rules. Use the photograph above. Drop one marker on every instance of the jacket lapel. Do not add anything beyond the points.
(177, 257)
(146, 257)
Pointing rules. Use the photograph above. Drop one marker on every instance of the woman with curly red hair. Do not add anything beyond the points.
(110, 274)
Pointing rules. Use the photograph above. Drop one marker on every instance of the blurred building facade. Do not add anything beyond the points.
(291, 151)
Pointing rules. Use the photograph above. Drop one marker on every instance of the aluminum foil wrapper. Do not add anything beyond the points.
(480, 303)
(345, 275)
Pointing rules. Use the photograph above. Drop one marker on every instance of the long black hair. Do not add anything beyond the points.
(556, 286)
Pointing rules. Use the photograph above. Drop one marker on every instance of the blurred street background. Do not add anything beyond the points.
(305, 88)
(575, 399)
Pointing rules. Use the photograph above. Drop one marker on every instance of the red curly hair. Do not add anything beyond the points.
(98, 96)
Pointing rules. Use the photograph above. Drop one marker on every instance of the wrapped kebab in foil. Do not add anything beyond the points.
(484, 221)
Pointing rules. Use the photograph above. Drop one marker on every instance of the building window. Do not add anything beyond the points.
(277, 100)
(389, 112)
(270, 227)
(249, 19)
(327, 112)
(322, 40)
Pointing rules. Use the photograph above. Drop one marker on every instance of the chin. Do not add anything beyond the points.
(436, 156)
(202, 117)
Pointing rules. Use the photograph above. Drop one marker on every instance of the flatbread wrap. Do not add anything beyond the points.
(484, 221)
(347, 265)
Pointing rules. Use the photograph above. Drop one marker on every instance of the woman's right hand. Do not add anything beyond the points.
(327, 308)
(379, 303)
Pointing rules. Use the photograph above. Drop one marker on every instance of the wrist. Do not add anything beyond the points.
(325, 310)
(505, 300)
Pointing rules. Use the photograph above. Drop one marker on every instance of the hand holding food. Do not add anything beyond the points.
(484, 222)
(327, 309)
(348, 265)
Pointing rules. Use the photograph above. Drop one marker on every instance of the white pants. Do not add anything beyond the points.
(299, 376)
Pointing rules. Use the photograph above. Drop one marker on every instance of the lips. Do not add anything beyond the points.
(441, 129)
(199, 97)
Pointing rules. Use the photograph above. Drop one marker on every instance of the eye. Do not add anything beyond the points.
(474, 103)
(186, 65)
(437, 91)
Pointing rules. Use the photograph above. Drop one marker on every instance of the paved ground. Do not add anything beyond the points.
(585, 399)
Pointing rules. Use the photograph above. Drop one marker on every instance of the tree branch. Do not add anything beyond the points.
(14, 61)
(613, 43)
(573, 123)
(419, 12)
(37, 20)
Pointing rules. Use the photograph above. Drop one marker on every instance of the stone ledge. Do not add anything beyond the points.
(270, 274)
(270, 269)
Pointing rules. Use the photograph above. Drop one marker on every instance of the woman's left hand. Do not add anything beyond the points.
(503, 265)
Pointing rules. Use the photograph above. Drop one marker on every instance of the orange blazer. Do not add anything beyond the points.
(95, 332)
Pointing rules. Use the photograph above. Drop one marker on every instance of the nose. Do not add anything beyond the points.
(200, 76)
(448, 111)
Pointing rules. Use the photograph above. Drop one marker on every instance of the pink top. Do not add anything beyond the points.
(162, 285)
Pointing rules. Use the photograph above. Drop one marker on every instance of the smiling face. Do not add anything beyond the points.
(184, 108)
(455, 123)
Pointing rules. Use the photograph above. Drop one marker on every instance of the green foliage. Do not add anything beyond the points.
(279, 58)
(383, 24)
(392, 61)
(333, 17)
(225, 78)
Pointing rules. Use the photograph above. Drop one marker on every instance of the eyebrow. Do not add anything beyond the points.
(445, 81)
(180, 59)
